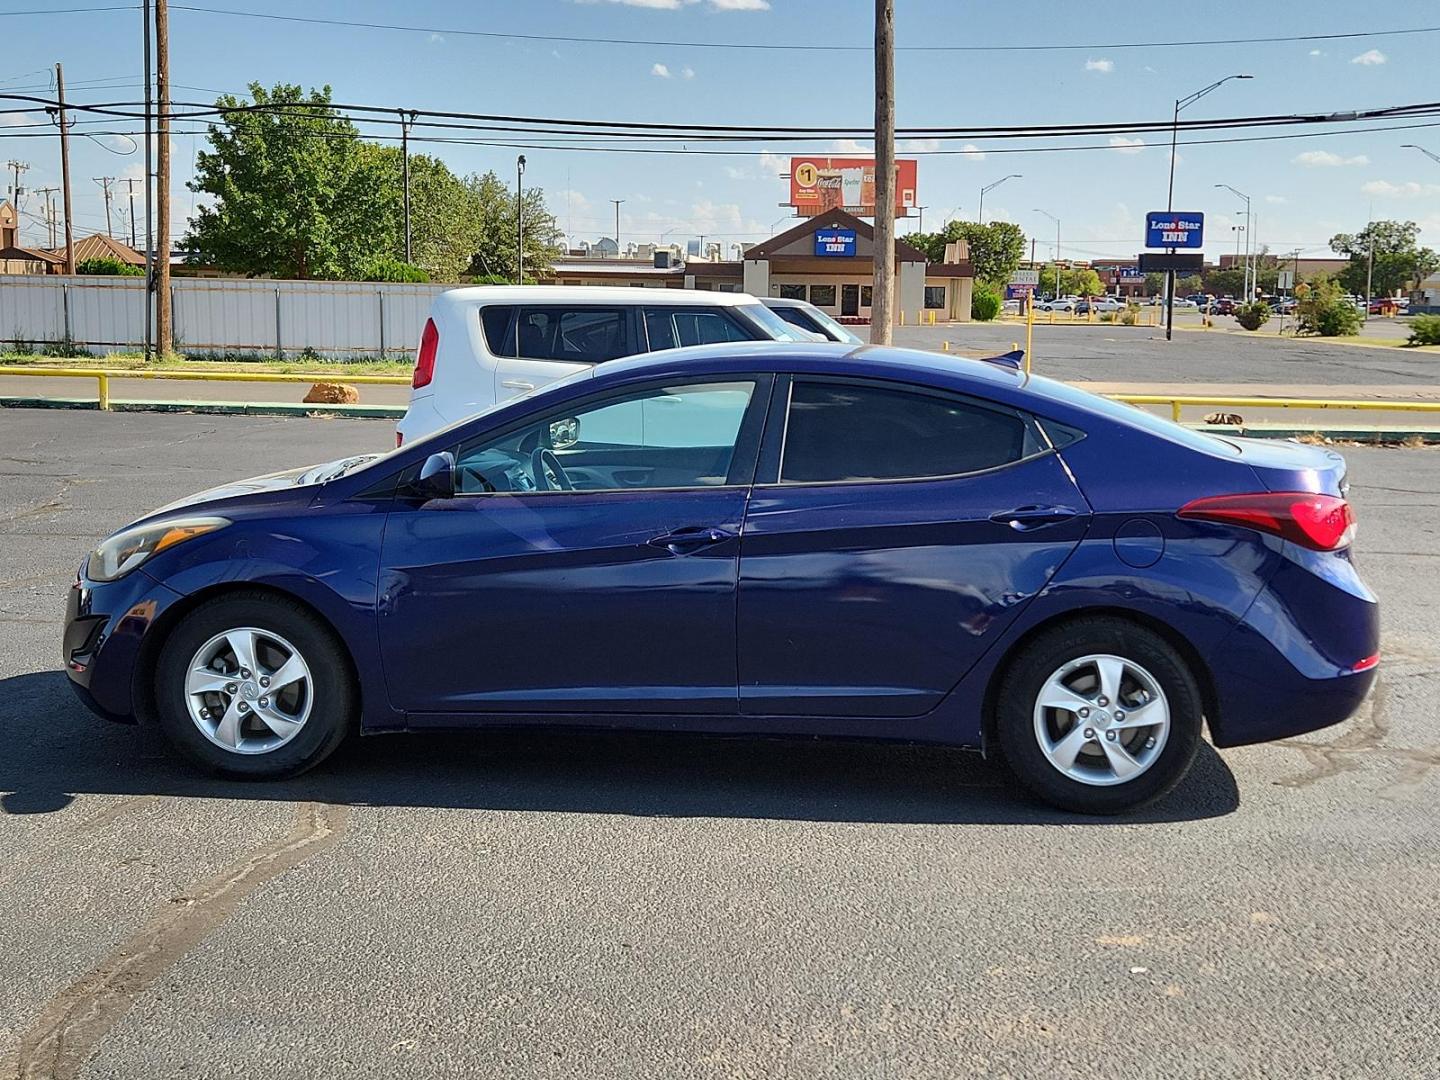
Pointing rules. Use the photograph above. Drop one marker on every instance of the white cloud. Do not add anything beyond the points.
(972, 152)
(734, 173)
(1370, 58)
(437, 39)
(1276, 200)
(1324, 159)
(850, 146)
(687, 73)
(920, 146)
(20, 119)
(772, 165)
(1127, 146)
(660, 71)
(740, 5)
(1407, 190)
(1104, 67)
(1316, 52)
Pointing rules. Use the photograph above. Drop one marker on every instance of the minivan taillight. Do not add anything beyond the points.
(1318, 522)
(425, 355)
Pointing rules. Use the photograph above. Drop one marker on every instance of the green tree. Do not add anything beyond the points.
(287, 194)
(1400, 261)
(1189, 283)
(1074, 281)
(108, 265)
(1155, 284)
(996, 248)
(1229, 282)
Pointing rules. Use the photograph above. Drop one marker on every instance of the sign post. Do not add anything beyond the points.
(1173, 230)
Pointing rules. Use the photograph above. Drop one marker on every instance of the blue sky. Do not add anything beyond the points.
(1303, 190)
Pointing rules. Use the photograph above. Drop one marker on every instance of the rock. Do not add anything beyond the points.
(330, 393)
(1230, 419)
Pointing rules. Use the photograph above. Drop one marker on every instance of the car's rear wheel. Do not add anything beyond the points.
(254, 686)
(1099, 715)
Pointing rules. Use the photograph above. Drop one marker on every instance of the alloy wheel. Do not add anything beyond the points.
(1101, 719)
(248, 690)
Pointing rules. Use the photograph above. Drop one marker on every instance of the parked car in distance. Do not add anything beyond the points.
(808, 317)
(1075, 583)
(1222, 305)
(493, 342)
(1099, 304)
(1063, 304)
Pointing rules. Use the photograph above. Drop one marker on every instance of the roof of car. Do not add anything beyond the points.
(592, 294)
(783, 301)
(821, 357)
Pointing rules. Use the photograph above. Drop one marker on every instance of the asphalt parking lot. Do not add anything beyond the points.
(622, 906)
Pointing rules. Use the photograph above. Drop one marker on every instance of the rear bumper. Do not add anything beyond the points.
(1290, 666)
(420, 419)
(105, 626)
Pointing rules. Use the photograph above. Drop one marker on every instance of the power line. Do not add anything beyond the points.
(785, 47)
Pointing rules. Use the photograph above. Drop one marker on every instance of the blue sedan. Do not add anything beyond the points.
(794, 540)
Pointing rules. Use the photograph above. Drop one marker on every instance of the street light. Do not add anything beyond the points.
(1182, 103)
(519, 220)
(1249, 234)
(920, 226)
(1430, 154)
(1056, 220)
(992, 187)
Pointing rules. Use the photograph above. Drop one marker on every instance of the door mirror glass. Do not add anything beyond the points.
(564, 433)
(436, 479)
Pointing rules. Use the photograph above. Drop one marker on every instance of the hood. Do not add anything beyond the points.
(290, 479)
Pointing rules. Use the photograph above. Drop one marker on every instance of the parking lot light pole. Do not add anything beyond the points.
(1056, 220)
(1428, 153)
(1181, 104)
(1249, 233)
(520, 220)
(991, 187)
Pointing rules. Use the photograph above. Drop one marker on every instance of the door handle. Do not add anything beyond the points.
(691, 538)
(517, 384)
(1025, 518)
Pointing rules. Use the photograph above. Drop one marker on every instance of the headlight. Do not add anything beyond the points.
(130, 549)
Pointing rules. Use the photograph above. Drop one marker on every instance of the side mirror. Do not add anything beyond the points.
(564, 433)
(436, 479)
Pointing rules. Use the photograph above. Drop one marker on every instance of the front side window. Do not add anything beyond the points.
(666, 437)
(581, 335)
(838, 432)
(675, 327)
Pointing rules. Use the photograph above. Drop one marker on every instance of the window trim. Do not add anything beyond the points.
(745, 456)
(722, 310)
(778, 432)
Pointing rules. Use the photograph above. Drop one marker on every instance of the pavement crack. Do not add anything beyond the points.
(66, 1032)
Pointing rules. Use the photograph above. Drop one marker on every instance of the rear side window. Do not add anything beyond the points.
(674, 328)
(496, 321)
(580, 335)
(849, 431)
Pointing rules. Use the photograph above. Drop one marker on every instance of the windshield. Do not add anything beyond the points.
(774, 326)
(833, 328)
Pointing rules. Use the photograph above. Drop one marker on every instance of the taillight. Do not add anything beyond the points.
(1318, 522)
(425, 356)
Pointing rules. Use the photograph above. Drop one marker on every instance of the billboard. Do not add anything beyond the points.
(835, 242)
(1174, 229)
(818, 184)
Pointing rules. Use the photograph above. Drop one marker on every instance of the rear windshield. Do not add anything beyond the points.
(1129, 414)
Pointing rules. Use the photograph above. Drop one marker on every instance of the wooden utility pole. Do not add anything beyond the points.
(65, 169)
(882, 310)
(164, 335)
(105, 182)
(130, 183)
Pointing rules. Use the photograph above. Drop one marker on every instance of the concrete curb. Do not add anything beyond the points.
(1380, 434)
(218, 408)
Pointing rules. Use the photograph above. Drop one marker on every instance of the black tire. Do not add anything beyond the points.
(1027, 674)
(332, 708)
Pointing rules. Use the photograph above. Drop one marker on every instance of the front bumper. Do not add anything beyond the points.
(105, 626)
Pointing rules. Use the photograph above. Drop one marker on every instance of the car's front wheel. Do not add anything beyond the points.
(254, 686)
(1099, 715)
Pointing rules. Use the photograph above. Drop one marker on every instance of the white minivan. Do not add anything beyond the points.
(486, 344)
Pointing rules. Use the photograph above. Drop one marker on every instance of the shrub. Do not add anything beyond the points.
(109, 266)
(1325, 311)
(1253, 315)
(1131, 315)
(1425, 330)
(985, 304)
(387, 268)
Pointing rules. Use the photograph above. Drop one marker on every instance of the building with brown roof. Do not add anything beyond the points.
(827, 259)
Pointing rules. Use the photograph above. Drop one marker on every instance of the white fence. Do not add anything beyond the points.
(217, 315)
